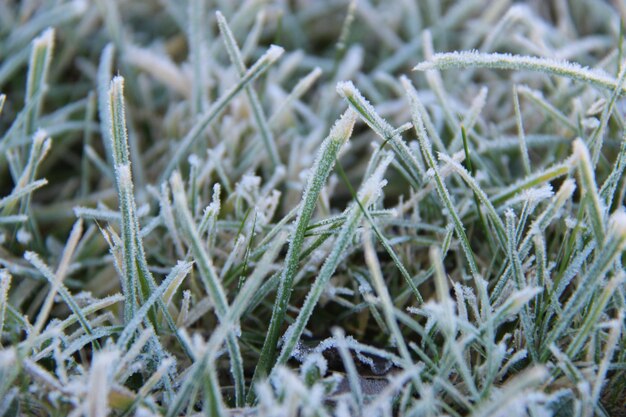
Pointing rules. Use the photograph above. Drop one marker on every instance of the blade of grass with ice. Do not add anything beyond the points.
(85, 167)
(520, 132)
(259, 67)
(520, 282)
(383, 129)
(136, 274)
(452, 213)
(367, 194)
(238, 307)
(435, 82)
(474, 59)
(196, 12)
(470, 168)
(548, 108)
(592, 278)
(597, 138)
(68, 252)
(105, 73)
(612, 344)
(324, 162)
(255, 103)
(590, 189)
(538, 226)
(94, 307)
(609, 187)
(40, 147)
(38, 68)
(593, 317)
(381, 238)
(5, 284)
(508, 398)
(44, 269)
(178, 272)
(557, 170)
(99, 384)
(298, 91)
(348, 364)
(210, 280)
(480, 195)
(371, 259)
(123, 179)
(442, 191)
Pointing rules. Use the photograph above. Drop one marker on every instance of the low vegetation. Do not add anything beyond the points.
(312, 208)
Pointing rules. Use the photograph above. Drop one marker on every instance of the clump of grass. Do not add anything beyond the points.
(418, 211)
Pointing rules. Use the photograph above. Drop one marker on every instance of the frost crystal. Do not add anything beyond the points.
(23, 236)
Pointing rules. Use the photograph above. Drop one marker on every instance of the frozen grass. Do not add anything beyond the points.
(195, 220)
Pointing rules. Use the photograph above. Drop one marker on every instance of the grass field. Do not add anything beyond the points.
(312, 208)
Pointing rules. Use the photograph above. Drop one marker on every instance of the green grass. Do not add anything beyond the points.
(324, 208)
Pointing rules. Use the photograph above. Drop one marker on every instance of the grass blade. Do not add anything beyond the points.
(326, 157)
(383, 129)
(259, 67)
(38, 68)
(367, 194)
(255, 103)
(210, 281)
(473, 59)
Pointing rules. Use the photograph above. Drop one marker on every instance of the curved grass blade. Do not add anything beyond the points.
(474, 59)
